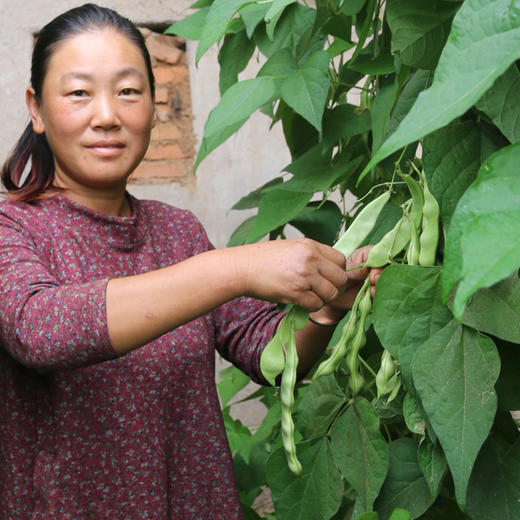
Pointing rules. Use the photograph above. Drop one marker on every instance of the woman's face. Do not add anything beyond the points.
(96, 110)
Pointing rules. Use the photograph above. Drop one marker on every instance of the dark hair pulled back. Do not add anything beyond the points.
(32, 146)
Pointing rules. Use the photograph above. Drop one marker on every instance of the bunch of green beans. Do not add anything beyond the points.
(417, 232)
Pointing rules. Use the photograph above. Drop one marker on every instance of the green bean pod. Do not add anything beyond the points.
(385, 374)
(416, 191)
(390, 245)
(361, 226)
(356, 380)
(329, 365)
(430, 227)
(412, 255)
(287, 400)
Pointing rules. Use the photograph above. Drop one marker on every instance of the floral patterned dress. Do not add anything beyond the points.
(85, 434)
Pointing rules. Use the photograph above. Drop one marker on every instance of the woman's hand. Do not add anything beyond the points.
(299, 271)
(336, 309)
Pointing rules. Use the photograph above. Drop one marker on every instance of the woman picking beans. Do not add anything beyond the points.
(111, 307)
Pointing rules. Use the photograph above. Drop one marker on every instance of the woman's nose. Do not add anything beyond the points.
(105, 113)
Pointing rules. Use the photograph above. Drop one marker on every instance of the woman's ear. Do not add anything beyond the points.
(35, 111)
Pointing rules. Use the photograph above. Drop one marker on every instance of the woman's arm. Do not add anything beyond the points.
(143, 307)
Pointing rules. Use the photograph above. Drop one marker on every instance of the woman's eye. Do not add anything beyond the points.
(78, 93)
(129, 91)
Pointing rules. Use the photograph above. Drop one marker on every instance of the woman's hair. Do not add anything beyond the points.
(32, 146)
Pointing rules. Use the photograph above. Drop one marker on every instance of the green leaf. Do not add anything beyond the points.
(232, 380)
(483, 242)
(319, 406)
(400, 514)
(433, 464)
(381, 110)
(454, 374)
(451, 159)
(296, 22)
(252, 15)
(239, 236)
(238, 435)
(233, 58)
(273, 15)
(344, 121)
(483, 42)
(252, 199)
(360, 451)
(502, 103)
(494, 488)
(367, 64)
(218, 18)
(405, 486)
(233, 110)
(408, 310)
(412, 88)
(414, 415)
(320, 221)
(316, 494)
(276, 208)
(496, 310)
(191, 27)
(350, 7)
(419, 30)
(305, 90)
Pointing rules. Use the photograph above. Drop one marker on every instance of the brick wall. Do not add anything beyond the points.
(170, 156)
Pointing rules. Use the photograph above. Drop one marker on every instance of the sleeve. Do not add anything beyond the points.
(44, 325)
(243, 328)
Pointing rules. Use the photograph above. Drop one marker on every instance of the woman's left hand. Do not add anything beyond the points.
(335, 310)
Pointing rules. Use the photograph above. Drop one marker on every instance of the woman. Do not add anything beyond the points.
(111, 307)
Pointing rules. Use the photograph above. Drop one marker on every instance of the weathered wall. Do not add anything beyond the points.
(243, 163)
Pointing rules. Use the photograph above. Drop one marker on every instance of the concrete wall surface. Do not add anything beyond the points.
(240, 165)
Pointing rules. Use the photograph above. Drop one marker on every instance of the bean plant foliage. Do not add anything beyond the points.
(419, 100)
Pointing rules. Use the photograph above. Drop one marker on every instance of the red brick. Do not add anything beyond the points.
(164, 48)
(158, 152)
(158, 170)
(169, 74)
(162, 95)
(165, 131)
(164, 113)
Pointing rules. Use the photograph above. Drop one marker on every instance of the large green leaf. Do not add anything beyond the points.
(451, 159)
(252, 15)
(273, 15)
(344, 121)
(295, 24)
(190, 27)
(484, 40)
(405, 486)
(319, 406)
(408, 310)
(494, 489)
(314, 495)
(502, 103)
(276, 208)
(412, 88)
(305, 90)
(360, 451)
(483, 242)
(233, 110)
(419, 29)
(217, 19)
(231, 381)
(233, 57)
(496, 310)
(320, 221)
(454, 373)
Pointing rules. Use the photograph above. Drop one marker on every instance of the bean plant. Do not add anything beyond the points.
(413, 107)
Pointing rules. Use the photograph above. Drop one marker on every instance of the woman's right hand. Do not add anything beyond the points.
(299, 271)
